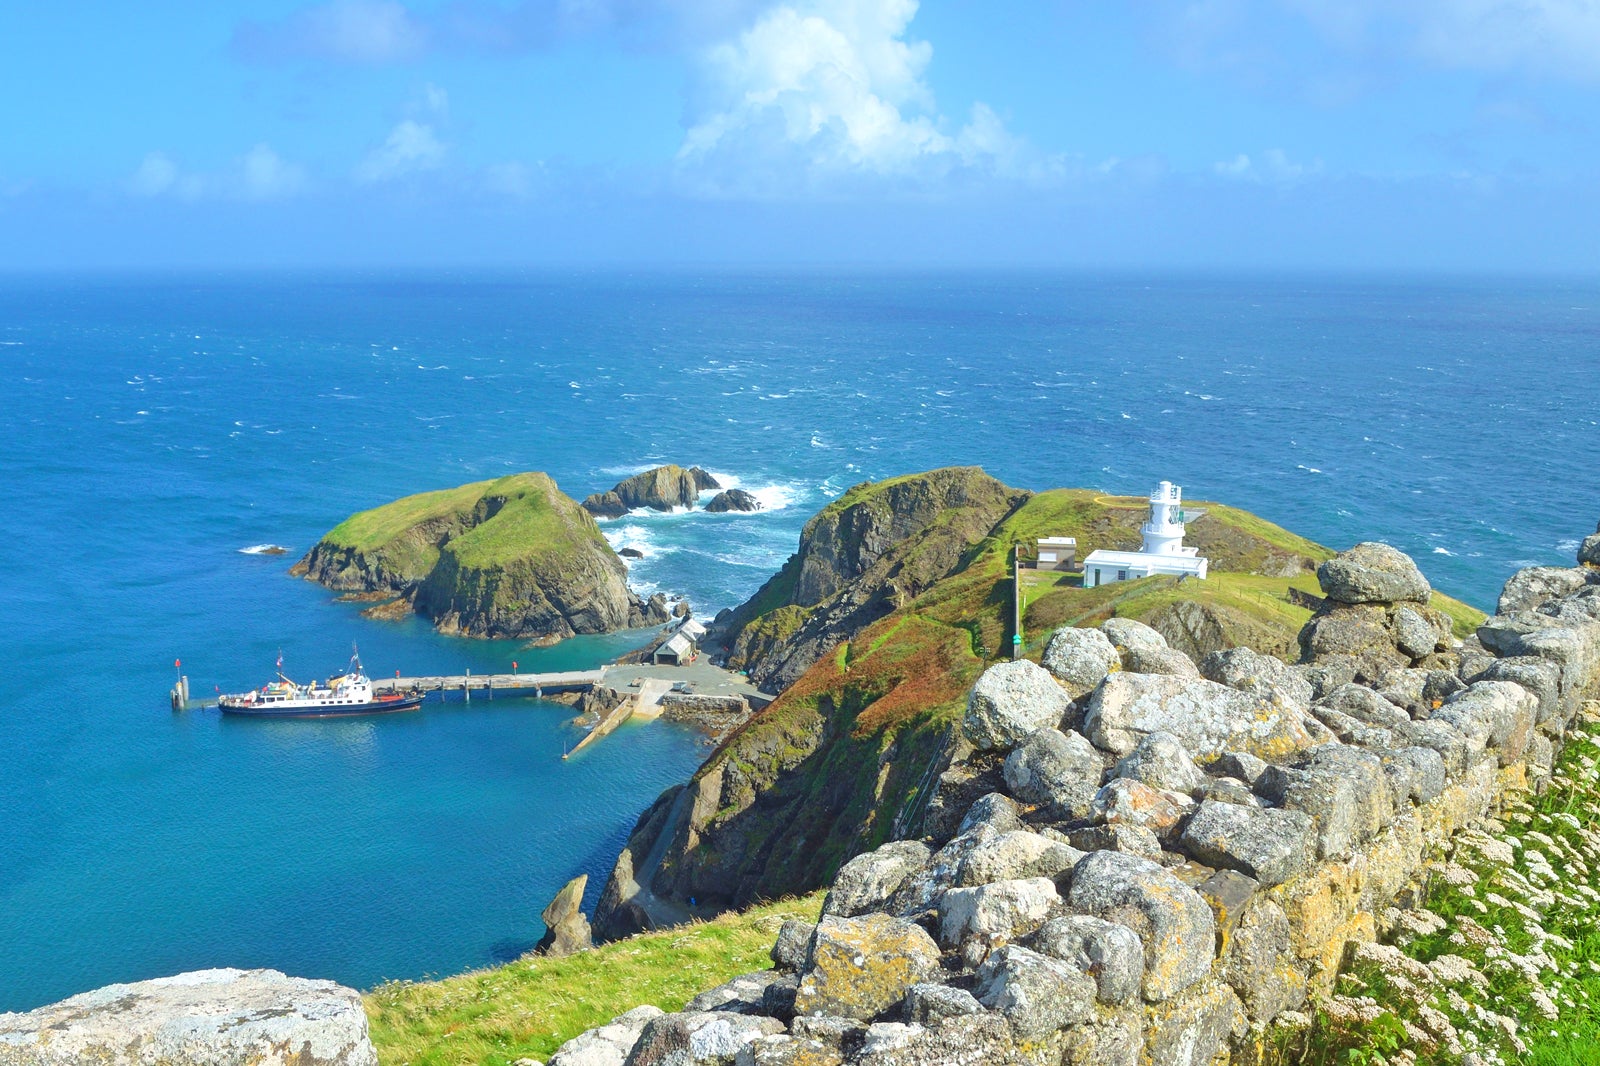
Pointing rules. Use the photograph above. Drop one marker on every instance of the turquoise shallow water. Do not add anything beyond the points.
(153, 428)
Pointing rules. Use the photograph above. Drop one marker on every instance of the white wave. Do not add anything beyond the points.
(774, 497)
(1570, 545)
(1443, 551)
(627, 471)
(264, 549)
(818, 442)
(1308, 469)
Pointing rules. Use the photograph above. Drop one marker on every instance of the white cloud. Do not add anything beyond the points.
(411, 147)
(349, 31)
(823, 89)
(1556, 38)
(258, 175)
(1271, 167)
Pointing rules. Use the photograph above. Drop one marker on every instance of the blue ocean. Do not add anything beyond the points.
(155, 428)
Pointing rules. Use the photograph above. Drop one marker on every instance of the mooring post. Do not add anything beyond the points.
(466, 685)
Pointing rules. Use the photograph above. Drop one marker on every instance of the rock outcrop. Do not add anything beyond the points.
(566, 929)
(1209, 888)
(512, 558)
(733, 500)
(874, 549)
(663, 488)
(1375, 618)
(205, 1018)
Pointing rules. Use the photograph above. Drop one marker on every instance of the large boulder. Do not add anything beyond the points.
(1344, 789)
(1009, 702)
(1017, 855)
(1080, 658)
(1263, 675)
(1373, 573)
(1357, 633)
(1205, 717)
(860, 967)
(1055, 769)
(1174, 923)
(566, 929)
(996, 913)
(1108, 952)
(204, 1018)
(1267, 844)
(868, 881)
(1159, 661)
(698, 1038)
(1126, 635)
(1160, 761)
(1037, 994)
(609, 1044)
(1124, 801)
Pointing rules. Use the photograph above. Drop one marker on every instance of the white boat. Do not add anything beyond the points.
(346, 694)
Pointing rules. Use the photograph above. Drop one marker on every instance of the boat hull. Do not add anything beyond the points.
(346, 710)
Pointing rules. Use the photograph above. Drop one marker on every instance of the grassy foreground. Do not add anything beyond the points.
(528, 1008)
(1500, 962)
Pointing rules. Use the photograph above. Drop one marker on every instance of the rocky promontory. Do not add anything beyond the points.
(512, 558)
(664, 488)
(899, 594)
(1127, 858)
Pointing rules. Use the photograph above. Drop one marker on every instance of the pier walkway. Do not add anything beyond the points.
(570, 681)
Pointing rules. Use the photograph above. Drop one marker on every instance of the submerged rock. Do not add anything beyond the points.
(733, 500)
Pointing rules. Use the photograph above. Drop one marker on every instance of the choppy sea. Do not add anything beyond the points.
(152, 429)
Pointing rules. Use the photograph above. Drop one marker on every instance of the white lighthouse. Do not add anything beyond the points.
(1163, 552)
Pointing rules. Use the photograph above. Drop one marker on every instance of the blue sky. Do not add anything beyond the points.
(1346, 134)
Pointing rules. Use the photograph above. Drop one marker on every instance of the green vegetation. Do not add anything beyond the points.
(372, 530)
(535, 521)
(1501, 959)
(528, 1008)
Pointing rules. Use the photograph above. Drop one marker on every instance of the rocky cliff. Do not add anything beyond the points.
(663, 488)
(1132, 858)
(511, 558)
(892, 618)
(873, 550)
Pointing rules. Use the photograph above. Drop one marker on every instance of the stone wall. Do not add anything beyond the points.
(1135, 858)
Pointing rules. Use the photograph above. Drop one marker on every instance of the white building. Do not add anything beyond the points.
(1163, 551)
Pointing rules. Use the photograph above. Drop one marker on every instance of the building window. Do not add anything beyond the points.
(1047, 557)
(1122, 575)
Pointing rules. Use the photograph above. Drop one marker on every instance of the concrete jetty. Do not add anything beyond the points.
(552, 683)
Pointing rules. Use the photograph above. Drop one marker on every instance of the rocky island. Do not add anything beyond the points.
(664, 488)
(511, 558)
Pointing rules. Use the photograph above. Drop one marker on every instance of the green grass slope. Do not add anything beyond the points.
(528, 1008)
